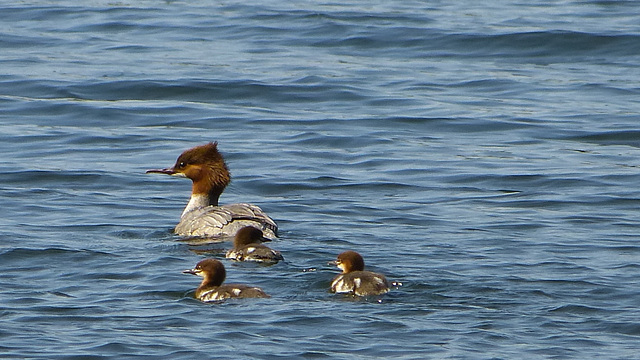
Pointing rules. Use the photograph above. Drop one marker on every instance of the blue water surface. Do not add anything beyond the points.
(483, 155)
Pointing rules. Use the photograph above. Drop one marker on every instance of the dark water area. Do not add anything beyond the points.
(483, 155)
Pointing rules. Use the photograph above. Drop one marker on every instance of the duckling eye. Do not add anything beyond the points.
(182, 164)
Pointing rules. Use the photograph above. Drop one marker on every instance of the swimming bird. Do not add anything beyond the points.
(203, 217)
(211, 287)
(354, 279)
(247, 247)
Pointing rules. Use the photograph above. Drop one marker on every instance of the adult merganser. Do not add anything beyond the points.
(247, 247)
(354, 280)
(211, 288)
(203, 217)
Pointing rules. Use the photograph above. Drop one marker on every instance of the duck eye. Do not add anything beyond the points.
(182, 164)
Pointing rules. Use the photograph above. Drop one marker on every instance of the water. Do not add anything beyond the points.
(483, 154)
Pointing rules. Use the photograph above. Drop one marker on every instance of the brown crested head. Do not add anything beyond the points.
(204, 161)
(350, 261)
(248, 235)
(203, 154)
(205, 166)
(211, 270)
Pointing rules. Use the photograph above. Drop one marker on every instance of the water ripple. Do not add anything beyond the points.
(482, 155)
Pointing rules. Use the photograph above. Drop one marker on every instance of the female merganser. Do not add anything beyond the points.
(354, 280)
(202, 217)
(211, 288)
(247, 247)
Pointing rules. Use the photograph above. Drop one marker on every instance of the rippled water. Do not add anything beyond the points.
(483, 154)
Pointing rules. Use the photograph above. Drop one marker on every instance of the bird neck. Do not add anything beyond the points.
(203, 197)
